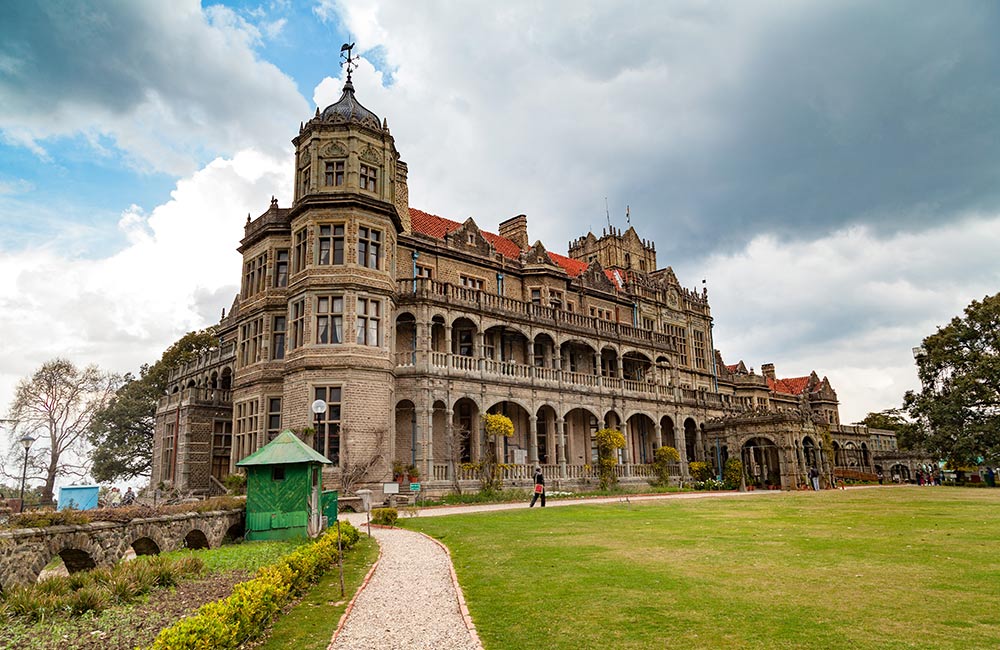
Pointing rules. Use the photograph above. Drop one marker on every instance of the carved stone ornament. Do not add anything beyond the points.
(672, 298)
(372, 155)
(538, 255)
(333, 149)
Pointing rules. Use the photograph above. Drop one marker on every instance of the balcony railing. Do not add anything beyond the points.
(428, 289)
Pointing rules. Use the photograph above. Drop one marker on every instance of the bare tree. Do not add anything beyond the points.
(57, 405)
(353, 473)
(455, 442)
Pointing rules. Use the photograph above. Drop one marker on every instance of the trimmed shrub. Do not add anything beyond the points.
(732, 473)
(245, 615)
(385, 516)
(700, 471)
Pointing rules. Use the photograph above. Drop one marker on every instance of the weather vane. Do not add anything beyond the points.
(350, 62)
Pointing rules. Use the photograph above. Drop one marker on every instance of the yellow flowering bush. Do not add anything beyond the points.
(608, 442)
(497, 426)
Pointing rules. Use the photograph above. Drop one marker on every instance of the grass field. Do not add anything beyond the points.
(875, 568)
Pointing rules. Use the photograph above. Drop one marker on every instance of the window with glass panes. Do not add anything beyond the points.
(281, 268)
(331, 244)
(298, 320)
(369, 247)
(369, 178)
(369, 317)
(335, 173)
(699, 349)
(306, 173)
(278, 338)
(222, 445)
(273, 417)
(251, 341)
(254, 273)
(330, 319)
(327, 438)
(167, 454)
(299, 250)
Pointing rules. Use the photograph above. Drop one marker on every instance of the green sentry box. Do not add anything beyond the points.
(328, 504)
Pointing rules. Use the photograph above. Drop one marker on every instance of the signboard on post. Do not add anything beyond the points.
(414, 487)
(390, 488)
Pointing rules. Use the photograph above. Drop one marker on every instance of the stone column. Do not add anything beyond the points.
(423, 432)
(453, 452)
(658, 433)
(597, 367)
(682, 449)
(627, 451)
(530, 361)
(699, 445)
(533, 440)
(561, 434)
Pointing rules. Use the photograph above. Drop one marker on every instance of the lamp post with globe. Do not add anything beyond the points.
(319, 409)
(26, 442)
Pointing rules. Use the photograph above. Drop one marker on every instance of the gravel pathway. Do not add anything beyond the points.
(410, 601)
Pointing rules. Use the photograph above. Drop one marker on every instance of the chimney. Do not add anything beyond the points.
(516, 230)
(768, 371)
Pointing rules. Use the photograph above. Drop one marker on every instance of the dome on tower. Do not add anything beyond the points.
(349, 109)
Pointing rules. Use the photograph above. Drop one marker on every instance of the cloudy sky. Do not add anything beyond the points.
(831, 169)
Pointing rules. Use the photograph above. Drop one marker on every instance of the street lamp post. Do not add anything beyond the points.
(319, 408)
(26, 441)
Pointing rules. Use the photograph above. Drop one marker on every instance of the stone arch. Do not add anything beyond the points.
(762, 461)
(613, 419)
(191, 384)
(438, 327)
(545, 348)
(810, 452)
(518, 413)
(406, 338)
(78, 552)
(146, 539)
(636, 365)
(690, 438)
(580, 424)
(465, 424)
(406, 432)
(440, 443)
(226, 378)
(641, 440)
(668, 433)
(234, 532)
(464, 337)
(545, 428)
(505, 342)
(196, 538)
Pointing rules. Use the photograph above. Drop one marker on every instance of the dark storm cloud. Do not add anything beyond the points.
(171, 83)
(876, 113)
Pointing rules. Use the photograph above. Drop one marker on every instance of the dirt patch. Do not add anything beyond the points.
(123, 628)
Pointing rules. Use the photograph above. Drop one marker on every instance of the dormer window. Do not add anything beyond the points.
(369, 178)
(335, 173)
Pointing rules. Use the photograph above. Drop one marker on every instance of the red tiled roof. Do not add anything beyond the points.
(732, 367)
(792, 386)
(437, 227)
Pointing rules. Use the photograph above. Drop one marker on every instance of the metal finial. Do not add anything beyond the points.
(350, 62)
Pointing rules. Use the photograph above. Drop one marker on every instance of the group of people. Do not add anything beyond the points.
(116, 498)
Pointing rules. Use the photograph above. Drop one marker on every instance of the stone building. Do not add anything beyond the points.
(408, 326)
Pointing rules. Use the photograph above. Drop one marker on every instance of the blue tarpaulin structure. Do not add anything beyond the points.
(78, 497)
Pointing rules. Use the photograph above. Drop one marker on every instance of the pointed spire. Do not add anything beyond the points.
(248, 218)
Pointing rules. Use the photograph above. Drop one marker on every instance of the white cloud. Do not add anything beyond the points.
(851, 305)
(176, 86)
(178, 270)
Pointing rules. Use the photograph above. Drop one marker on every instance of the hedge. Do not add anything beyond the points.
(245, 615)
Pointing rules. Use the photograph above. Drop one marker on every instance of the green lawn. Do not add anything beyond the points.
(875, 568)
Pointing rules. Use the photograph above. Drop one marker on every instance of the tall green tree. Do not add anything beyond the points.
(57, 406)
(909, 435)
(122, 432)
(959, 367)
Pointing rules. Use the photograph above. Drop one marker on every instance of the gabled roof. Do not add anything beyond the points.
(437, 227)
(791, 386)
(286, 449)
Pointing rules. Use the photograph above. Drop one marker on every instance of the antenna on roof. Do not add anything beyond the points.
(350, 62)
(607, 211)
(628, 218)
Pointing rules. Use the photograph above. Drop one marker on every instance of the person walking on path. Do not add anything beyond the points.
(539, 487)
(814, 478)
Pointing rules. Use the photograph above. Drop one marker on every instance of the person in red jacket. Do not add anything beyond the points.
(539, 487)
